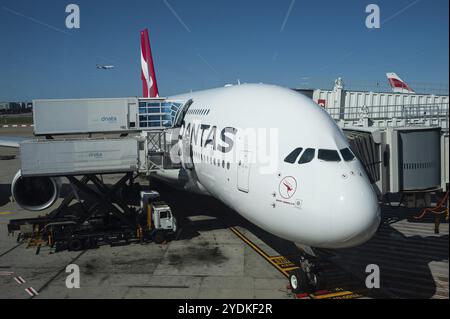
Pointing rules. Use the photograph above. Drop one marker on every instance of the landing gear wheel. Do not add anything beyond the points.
(159, 237)
(298, 281)
(316, 281)
(312, 271)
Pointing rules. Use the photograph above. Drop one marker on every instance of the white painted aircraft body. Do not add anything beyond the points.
(330, 204)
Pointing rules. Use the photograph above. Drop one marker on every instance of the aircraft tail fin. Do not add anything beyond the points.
(148, 76)
(397, 84)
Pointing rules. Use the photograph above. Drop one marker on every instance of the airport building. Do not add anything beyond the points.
(15, 107)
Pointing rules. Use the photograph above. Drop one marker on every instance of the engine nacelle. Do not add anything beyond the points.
(35, 193)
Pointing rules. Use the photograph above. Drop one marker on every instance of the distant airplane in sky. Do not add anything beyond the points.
(105, 67)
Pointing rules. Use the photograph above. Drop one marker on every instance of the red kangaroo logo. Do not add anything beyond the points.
(288, 186)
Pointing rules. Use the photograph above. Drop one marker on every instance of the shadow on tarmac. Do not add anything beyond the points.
(401, 266)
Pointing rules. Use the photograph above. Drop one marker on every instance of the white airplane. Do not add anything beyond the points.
(398, 85)
(105, 67)
(312, 191)
(318, 193)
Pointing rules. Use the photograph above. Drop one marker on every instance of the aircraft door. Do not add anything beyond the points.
(243, 171)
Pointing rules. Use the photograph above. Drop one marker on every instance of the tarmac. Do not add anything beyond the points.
(218, 255)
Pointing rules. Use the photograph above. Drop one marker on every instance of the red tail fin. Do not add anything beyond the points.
(397, 84)
(150, 87)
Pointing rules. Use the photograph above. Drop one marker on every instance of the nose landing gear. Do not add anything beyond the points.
(307, 278)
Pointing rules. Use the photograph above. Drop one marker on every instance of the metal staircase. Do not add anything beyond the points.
(163, 136)
(162, 148)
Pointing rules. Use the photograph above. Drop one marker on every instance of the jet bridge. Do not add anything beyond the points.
(154, 122)
(402, 159)
(105, 116)
(409, 161)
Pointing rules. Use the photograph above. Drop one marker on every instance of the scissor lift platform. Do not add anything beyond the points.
(104, 214)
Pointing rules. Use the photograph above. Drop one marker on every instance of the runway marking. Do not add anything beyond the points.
(31, 291)
(285, 266)
(6, 273)
(259, 251)
(21, 125)
(283, 263)
(19, 280)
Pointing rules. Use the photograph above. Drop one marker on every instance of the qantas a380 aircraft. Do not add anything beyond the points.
(311, 189)
(275, 157)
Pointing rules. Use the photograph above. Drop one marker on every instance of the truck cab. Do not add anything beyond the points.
(160, 223)
(163, 218)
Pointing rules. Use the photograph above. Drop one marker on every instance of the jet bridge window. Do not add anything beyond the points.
(292, 157)
(307, 156)
(157, 114)
(347, 155)
(329, 156)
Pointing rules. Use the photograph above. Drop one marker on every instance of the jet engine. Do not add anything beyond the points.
(35, 193)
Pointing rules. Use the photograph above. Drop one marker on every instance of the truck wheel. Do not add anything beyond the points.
(75, 244)
(298, 281)
(159, 237)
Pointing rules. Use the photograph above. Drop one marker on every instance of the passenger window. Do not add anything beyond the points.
(347, 155)
(291, 158)
(307, 156)
(329, 156)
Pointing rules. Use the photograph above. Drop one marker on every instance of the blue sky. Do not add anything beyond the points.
(216, 42)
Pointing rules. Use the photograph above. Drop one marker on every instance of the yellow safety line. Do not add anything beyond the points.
(332, 295)
(258, 250)
(285, 271)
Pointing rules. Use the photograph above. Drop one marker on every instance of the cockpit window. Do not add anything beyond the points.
(291, 158)
(347, 155)
(307, 156)
(329, 155)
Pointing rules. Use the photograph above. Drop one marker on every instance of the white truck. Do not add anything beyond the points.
(160, 222)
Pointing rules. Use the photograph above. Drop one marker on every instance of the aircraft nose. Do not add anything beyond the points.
(357, 215)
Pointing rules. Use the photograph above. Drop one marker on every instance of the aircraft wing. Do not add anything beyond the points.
(12, 141)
